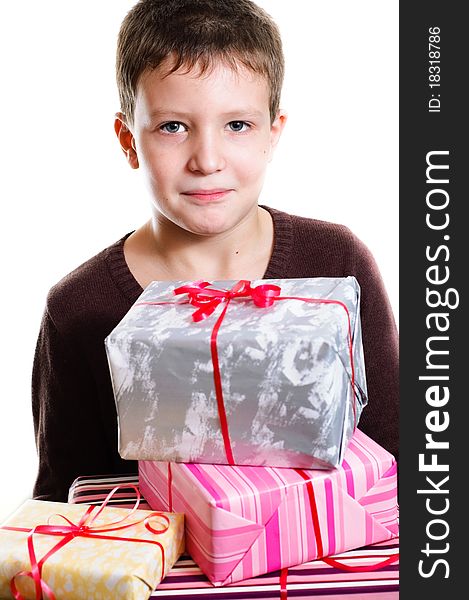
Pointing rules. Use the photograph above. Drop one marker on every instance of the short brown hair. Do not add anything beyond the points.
(197, 33)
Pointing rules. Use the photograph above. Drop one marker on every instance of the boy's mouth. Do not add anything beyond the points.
(208, 195)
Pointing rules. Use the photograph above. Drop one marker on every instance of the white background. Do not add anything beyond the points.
(67, 192)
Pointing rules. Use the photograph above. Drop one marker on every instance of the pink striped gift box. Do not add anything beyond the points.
(244, 521)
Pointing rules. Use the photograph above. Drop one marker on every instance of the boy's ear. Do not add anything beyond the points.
(126, 140)
(276, 131)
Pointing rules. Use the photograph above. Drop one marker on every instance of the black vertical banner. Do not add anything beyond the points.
(434, 252)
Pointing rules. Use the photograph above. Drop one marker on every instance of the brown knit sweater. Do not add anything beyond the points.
(73, 404)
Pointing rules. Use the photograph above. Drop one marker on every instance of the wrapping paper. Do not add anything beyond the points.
(315, 578)
(245, 521)
(87, 568)
(94, 489)
(286, 376)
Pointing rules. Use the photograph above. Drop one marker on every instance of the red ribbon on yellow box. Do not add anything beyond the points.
(84, 528)
(206, 299)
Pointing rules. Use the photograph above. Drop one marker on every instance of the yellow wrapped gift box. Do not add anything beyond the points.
(94, 552)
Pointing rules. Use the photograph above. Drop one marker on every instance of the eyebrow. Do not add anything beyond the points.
(246, 112)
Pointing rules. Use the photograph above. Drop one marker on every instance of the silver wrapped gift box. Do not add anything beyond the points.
(291, 375)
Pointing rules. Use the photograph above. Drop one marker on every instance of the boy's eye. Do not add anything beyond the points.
(173, 127)
(238, 126)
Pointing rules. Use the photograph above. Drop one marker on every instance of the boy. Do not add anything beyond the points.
(199, 84)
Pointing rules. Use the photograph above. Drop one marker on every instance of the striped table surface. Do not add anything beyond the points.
(312, 579)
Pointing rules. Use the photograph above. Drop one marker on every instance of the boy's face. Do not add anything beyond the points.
(204, 142)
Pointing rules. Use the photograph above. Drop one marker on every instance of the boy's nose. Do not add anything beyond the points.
(206, 155)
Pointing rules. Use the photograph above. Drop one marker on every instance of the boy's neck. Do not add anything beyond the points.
(160, 250)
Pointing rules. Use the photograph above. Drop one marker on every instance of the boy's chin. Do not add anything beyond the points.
(208, 229)
(211, 225)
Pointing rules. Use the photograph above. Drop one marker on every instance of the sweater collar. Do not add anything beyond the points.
(283, 235)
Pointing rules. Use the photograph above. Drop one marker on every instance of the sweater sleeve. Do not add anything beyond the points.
(66, 421)
(380, 418)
